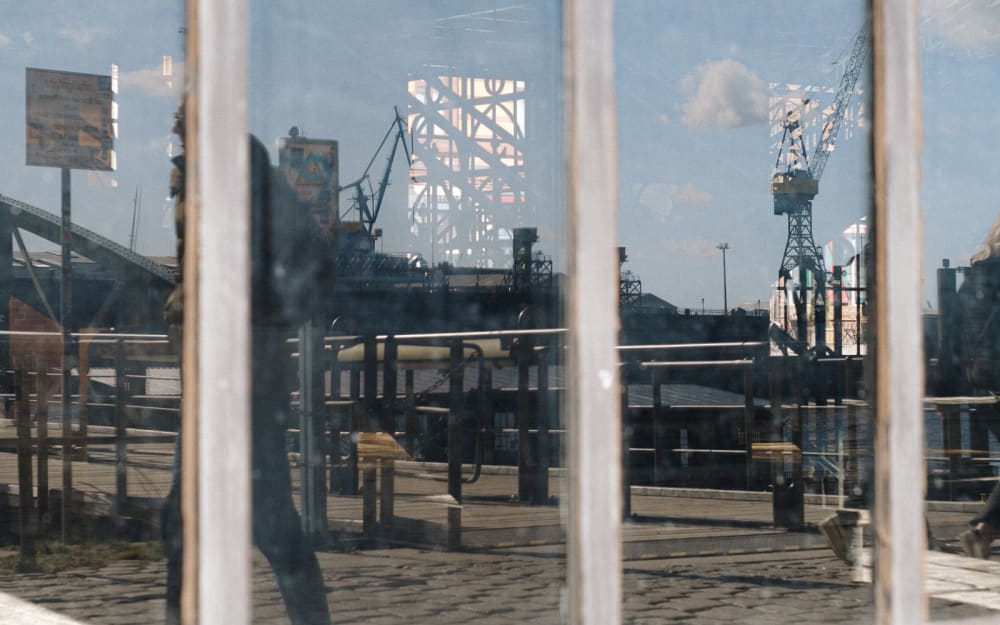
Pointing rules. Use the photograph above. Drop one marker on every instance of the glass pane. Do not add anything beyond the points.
(744, 305)
(414, 225)
(960, 42)
(90, 382)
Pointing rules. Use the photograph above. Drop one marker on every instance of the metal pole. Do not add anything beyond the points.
(725, 291)
(65, 311)
(456, 404)
(542, 451)
(748, 414)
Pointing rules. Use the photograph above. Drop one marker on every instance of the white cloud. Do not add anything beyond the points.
(5, 41)
(28, 38)
(659, 198)
(970, 25)
(82, 37)
(151, 80)
(697, 246)
(691, 194)
(724, 94)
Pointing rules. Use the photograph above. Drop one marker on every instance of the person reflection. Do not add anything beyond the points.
(979, 312)
(288, 263)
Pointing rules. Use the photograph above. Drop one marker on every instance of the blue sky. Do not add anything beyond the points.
(695, 153)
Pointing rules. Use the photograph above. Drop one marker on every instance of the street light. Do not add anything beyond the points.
(725, 295)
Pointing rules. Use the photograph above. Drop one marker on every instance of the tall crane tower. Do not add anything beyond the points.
(796, 183)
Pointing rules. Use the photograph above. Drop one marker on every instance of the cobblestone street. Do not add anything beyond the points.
(407, 586)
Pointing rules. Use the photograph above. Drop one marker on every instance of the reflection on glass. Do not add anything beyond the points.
(89, 380)
(408, 353)
(962, 288)
(745, 193)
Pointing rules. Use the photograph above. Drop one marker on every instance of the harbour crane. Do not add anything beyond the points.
(368, 202)
(796, 183)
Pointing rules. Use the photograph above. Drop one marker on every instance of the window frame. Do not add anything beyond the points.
(216, 375)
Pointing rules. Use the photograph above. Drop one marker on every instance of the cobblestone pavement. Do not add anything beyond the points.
(411, 586)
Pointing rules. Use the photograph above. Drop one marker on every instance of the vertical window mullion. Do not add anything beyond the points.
(594, 572)
(899, 434)
(217, 341)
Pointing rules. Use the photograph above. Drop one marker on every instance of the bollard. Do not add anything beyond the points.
(368, 498)
(387, 492)
(454, 527)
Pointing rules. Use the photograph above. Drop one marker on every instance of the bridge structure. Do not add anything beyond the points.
(128, 294)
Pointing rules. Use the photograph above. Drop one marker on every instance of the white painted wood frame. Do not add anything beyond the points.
(217, 308)
(900, 531)
(594, 547)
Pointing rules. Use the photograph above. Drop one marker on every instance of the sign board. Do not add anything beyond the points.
(312, 169)
(71, 120)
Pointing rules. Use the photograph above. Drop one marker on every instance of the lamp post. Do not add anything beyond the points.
(725, 295)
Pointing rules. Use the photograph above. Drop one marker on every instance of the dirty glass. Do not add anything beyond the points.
(745, 196)
(89, 384)
(408, 265)
(960, 42)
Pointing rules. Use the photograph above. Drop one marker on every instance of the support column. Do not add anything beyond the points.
(456, 412)
(312, 408)
(6, 289)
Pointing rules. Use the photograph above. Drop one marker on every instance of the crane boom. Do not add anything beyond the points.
(828, 138)
(368, 212)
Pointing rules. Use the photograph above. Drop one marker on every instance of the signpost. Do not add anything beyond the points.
(311, 168)
(71, 123)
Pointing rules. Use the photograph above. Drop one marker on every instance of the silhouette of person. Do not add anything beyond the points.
(979, 311)
(287, 257)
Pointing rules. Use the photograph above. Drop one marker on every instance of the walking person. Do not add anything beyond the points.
(979, 314)
(282, 243)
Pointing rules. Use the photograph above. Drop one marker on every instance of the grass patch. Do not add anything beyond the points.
(54, 557)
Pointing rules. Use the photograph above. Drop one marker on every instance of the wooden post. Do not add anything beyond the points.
(26, 505)
(542, 449)
(628, 433)
(43, 387)
(368, 498)
(121, 444)
(387, 491)
(84, 399)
